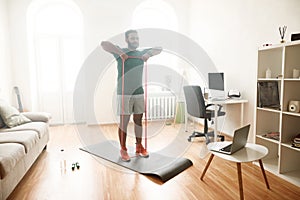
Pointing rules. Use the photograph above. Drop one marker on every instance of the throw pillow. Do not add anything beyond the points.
(2, 124)
(37, 116)
(11, 116)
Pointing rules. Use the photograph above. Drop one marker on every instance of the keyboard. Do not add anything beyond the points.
(217, 146)
(227, 148)
(218, 99)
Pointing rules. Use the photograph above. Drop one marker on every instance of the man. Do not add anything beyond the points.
(131, 94)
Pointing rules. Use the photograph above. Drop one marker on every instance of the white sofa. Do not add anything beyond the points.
(20, 146)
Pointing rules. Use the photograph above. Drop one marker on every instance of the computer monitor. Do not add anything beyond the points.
(216, 85)
(216, 81)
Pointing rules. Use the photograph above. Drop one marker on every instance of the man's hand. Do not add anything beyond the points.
(152, 52)
(145, 57)
(124, 56)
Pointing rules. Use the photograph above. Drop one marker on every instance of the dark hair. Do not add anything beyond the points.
(128, 32)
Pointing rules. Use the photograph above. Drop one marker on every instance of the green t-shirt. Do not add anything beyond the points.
(133, 72)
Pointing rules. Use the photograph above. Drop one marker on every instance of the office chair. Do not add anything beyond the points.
(196, 107)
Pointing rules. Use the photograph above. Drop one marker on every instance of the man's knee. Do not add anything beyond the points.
(137, 118)
(124, 120)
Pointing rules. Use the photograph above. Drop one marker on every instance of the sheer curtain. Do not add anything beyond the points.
(56, 47)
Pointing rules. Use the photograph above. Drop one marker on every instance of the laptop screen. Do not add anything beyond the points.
(240, 138)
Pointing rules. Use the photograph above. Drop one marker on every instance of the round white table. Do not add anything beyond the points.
(251, 152)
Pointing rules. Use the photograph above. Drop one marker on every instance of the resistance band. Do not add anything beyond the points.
(146, 98)
(122, 117)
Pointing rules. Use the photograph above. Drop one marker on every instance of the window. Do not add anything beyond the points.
(55, 30)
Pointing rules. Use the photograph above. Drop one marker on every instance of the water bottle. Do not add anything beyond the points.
(268, 73)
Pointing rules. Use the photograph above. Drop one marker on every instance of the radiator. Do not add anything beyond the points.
(161, 106)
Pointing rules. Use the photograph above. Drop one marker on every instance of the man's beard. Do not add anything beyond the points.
(133, 45)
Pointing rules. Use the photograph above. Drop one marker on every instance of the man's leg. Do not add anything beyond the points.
(138, 129)
(124, 120)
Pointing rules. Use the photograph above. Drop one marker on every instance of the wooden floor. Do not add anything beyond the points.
(99, 179)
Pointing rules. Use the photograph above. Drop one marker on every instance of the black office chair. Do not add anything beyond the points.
(196, 107)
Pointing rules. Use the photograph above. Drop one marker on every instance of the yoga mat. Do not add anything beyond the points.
(158, 165)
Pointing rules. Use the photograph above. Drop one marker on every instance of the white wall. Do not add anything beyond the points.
(231, 31)
(102, 20)
(5, 65)
(16, 11)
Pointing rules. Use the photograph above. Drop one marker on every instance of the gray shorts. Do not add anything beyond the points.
(133, 104)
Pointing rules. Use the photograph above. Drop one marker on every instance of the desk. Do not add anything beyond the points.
(227, 102)
(250, 153)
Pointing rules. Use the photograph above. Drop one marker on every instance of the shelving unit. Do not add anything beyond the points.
(282, 159)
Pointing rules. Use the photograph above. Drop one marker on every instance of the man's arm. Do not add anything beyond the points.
(152, 52)
(111, 48)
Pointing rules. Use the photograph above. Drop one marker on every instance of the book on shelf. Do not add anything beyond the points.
(297, 138)
(272, 135)
(297, 145)
(296, 141)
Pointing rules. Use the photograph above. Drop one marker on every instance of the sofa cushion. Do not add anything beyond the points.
(40, 127)
(10, 155)
(11, 116)
(27, 138)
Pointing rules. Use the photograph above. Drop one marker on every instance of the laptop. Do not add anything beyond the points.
(240, 138)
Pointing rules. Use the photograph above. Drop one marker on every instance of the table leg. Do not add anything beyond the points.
(216, 123)
(206, 166)
(185, 118)
(264, 173)
(239, 170)
(242, 114)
